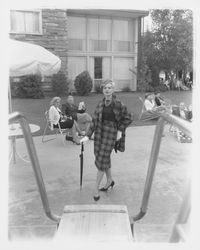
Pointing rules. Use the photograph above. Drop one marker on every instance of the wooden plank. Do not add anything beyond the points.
(101, 223)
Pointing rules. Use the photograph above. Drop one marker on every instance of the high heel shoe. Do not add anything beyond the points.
(106, 189)
(96, 198)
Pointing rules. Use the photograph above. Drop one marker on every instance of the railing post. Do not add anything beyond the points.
(151, 168)
(35, 163)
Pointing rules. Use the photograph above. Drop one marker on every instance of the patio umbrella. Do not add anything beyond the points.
(81, 165)
(26, 59)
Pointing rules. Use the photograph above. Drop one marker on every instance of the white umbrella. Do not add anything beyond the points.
(27, 58)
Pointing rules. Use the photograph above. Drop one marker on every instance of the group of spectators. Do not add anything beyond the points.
(177, 84)
(154, 105)
(71, 117)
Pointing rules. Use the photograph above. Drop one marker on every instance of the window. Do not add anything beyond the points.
(123, 35)
(76, 44)
(77, 33)
(122, 46)
(99, 34)
(26, 22)
(98, 67)
(76, 65)
(99, 45)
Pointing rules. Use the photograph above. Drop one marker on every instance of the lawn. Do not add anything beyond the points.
(34, 109)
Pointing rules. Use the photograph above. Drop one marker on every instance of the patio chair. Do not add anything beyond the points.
(57, 130)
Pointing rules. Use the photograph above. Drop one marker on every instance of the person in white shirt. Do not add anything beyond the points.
(56, 117)
(152, 110)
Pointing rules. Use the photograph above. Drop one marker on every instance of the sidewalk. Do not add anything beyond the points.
(60, 169)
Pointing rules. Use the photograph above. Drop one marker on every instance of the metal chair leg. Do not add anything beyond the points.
(45, 134)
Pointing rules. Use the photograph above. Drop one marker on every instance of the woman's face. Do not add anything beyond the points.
(108, 90)
(57, 103)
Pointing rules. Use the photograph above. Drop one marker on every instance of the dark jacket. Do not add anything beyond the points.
(71, 110)
(158, 101)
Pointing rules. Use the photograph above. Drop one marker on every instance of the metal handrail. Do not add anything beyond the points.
(17, 117)
(183, 125)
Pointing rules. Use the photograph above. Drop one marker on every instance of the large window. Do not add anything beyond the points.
(77, 33)
(99, 34)
(123, 35)
(121, 72)
(76, 65)
(26, 22)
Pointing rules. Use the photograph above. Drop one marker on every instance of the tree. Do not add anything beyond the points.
(169, 45)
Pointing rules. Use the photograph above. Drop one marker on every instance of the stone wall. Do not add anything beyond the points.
(53, 37)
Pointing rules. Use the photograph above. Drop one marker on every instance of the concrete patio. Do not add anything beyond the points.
(60, 167)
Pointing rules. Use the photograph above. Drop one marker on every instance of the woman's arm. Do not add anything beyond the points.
(125, 118)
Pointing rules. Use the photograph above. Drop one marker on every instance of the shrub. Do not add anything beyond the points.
(83, 83)
(60, 84)
(29, 86)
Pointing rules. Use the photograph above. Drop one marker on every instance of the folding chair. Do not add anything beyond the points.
(57, 130)
(143, 107)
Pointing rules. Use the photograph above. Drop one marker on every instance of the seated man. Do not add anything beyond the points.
(152, 111)
(158, 99)
(77, 113)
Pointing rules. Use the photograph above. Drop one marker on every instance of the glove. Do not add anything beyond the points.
(84, 139)
(119, 135)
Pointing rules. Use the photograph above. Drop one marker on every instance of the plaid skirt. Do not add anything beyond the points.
(104, 141)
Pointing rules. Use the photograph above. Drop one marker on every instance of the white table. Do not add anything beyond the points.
(14, 131)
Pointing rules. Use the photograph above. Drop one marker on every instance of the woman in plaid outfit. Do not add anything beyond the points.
(111, 118)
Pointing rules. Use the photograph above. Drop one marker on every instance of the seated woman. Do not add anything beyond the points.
(56, 117)
(78, 113)
(152, 111)
(185, 113)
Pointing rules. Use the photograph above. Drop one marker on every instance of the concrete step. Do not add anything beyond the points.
(152, 232)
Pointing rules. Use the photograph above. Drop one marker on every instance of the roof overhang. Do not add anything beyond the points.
(109, 12)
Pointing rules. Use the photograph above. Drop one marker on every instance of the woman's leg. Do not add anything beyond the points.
(71, 125)
(74, 135)
(77, 127)
(98, 181)
(109, 177)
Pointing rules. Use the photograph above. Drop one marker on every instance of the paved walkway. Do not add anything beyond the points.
(60, 168)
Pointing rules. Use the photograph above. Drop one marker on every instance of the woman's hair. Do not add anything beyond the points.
(146, 95)
(54, 100)
(107, 81)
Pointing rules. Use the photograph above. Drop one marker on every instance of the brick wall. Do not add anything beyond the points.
(53, 37)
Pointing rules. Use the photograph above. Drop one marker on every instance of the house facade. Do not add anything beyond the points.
(106, 43)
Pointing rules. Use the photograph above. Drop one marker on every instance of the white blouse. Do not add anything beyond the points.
(54, 115)
(148, 104)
